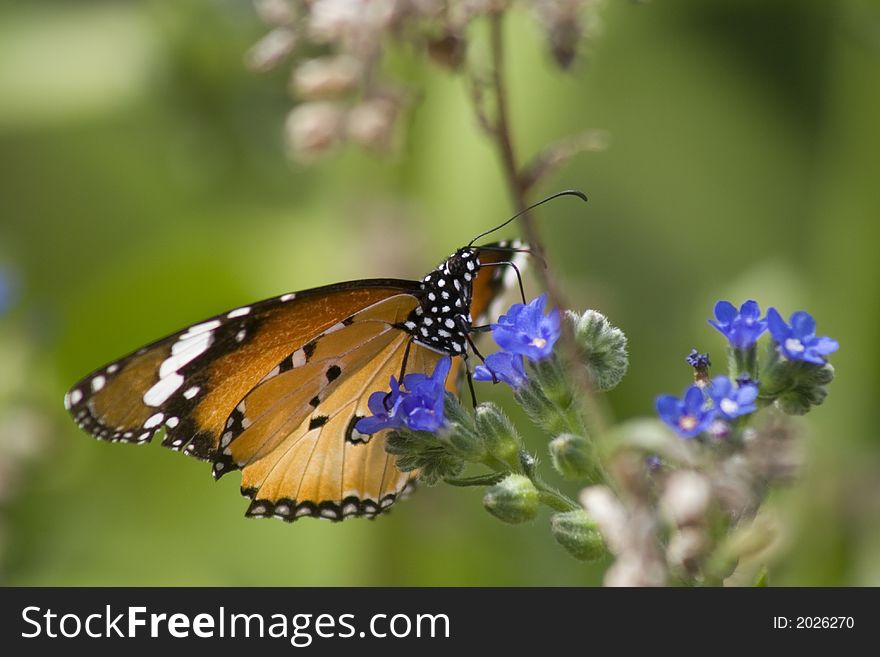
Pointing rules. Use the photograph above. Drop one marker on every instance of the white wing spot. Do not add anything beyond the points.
(204, 327)
(112, 368)
(441, 283)
(240, 335)
(98, 383)
(191, 392)
(75, 396)
(303, 511)
(299, 358)
(185, 350)
(172, 422)
(227, 437)
(450, 323)
(162, 390)
(239, 312)
(288, 297)
(154, 420)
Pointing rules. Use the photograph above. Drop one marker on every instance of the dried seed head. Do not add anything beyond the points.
(686, 498)
(312, 129)
(687, 548)
(274, 12)
(325, 77)
(371, 124)
(448, 50)
(271, 49)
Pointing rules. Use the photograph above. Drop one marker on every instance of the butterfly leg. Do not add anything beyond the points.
(402, 373)
(470, 378)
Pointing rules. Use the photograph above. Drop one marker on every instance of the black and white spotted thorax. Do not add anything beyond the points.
(443, 319)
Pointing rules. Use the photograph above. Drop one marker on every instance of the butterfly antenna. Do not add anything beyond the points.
(567, 192)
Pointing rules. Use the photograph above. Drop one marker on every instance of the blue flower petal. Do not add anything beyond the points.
(803, 325)
(750, 310)
(725, 312)
(667, 408)
(694, 399)
(777, 326)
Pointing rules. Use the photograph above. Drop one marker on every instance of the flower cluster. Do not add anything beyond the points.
(343, 94)
(793, 375)
(700, 407)
(524, 331)
(417, 405)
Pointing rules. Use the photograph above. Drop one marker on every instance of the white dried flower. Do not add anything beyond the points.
(371, 123)
(312, 129)
(274, 12)
(326, 77)
(271, 49)
(686, 498)
(687, 548)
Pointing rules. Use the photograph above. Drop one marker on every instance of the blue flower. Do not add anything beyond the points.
(741, 328)
(417, 405)
(798, 341)
(732, 401)
(505, 367)
(689, 416)
(527, 331)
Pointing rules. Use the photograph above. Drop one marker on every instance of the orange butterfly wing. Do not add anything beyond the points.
(189, 382)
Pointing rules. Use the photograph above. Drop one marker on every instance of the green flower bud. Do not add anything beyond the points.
(461, 436)
(796, 386)
(513, 500)
(603, 346)
(549, 399)
(572, 456)
(578, 533)
(498, 434)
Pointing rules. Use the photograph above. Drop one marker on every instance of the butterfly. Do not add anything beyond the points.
(274, 389)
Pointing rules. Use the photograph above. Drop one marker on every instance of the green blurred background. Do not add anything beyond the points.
(144, 186)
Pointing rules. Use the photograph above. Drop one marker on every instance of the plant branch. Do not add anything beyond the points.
(519, 188)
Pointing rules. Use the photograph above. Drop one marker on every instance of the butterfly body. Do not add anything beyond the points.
(443, 320)
(274, 389)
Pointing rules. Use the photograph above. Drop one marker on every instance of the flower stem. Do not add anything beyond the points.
(595, 411)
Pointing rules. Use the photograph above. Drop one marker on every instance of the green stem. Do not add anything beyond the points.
(488, 479)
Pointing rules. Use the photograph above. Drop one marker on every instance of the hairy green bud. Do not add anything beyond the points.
(514, 499)
(499, 437)
(578, 533)
(603, 347)
(572, 456)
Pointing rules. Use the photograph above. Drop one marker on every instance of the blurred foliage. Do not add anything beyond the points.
(144, 186)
